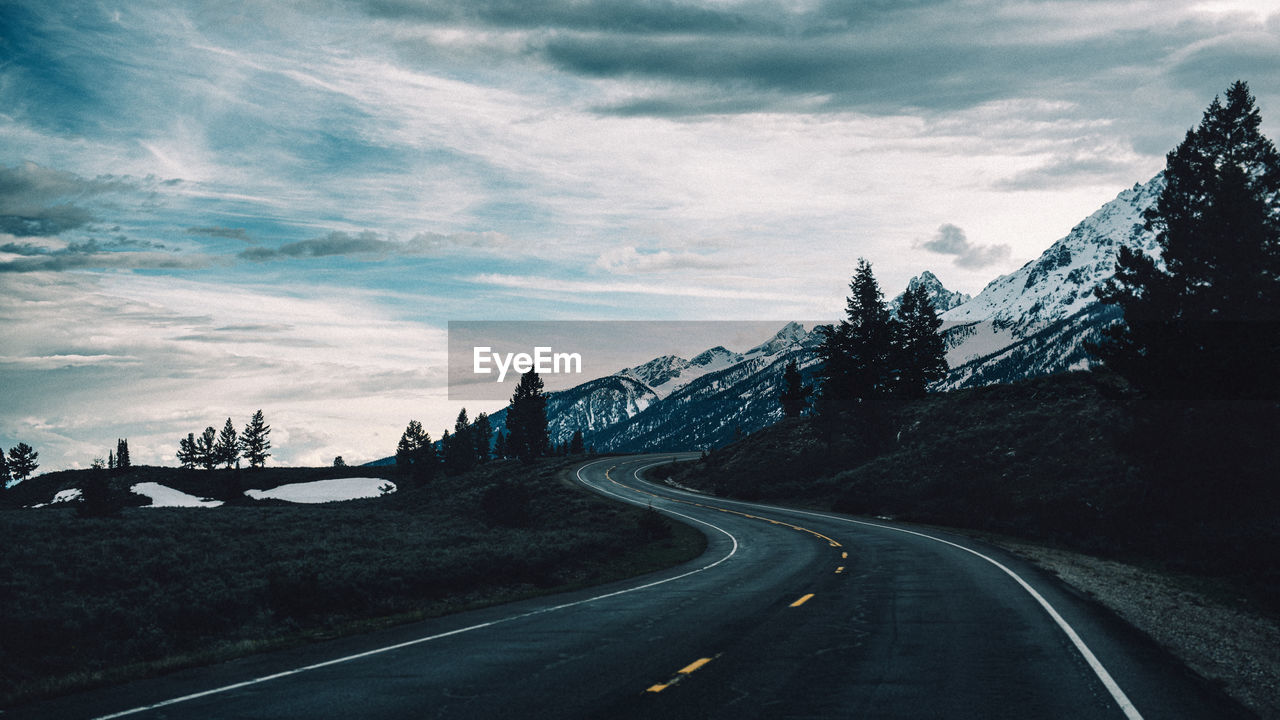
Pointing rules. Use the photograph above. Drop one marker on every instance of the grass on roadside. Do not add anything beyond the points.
(93, 601)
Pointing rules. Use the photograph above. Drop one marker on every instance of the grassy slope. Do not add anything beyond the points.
(1044, 459)
(101, 600)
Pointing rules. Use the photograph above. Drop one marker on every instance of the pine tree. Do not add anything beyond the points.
(794, 396)
(575, 443)
(228, 447)
(482, 437)
(1208, 322)
(500, 446)
(858, 353)
(527, 419)
(122, 454)
(254, 443)
(207, 448)
(339, 462)
(111, 460)
(187, 451)
(5, 475)
(460, 453)
(416, 454)
(22, 461)
(919, 349)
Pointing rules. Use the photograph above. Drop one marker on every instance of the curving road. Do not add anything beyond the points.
(789, 614)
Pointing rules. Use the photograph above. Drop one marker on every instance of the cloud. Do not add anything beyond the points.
(53, 255)
(603, 287)
(37, 201)
(222, 232)
(60, 262)
(371, 243)
(951, 240)
(1102, 166)
(629, 260)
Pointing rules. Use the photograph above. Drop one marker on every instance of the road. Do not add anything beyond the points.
(788, 614)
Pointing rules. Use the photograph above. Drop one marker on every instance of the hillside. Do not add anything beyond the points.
(95, 601)
(1046, 459)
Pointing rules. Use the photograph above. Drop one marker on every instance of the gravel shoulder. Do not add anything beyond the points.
(1226, 643)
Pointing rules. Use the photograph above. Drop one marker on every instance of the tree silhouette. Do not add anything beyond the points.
(187, 455)
(575, 443)
(527, 419)
(228, 447)
(482, 437)
(1208, 321)
(22, 461)
(254, 442)
(794, 396)
(5, 475)
(920, 353)
(207, 448)
(122, 455)
(858, 352)
(416, 454)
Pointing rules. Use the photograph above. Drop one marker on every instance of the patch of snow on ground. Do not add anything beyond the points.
(63, 496)
(323, 491)
(164, 496)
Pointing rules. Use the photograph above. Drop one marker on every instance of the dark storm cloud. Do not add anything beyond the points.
(868, 56)
(951, 240)
(647, 16)
(832, 72)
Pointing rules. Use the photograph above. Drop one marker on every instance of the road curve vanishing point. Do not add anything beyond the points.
(789, 613)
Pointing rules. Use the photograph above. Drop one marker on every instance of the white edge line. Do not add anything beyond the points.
(419, 641)
(1121, 699)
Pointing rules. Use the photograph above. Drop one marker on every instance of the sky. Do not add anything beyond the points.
(206, 211)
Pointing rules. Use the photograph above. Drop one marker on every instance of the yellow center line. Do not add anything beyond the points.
(681, 674)
(694, 665)
(840, 569)
(802, 600)
(844, 555)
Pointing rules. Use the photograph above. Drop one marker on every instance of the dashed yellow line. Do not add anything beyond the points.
(694, 665)
(681, 674)
(803, 599)
(840, 570)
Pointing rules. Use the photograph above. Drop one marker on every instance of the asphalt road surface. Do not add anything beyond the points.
(789, 614)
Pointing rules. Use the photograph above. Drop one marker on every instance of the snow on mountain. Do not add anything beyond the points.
(791, 335)
(1052, 288)
(942, 298)
(667, 374)
(590, 407)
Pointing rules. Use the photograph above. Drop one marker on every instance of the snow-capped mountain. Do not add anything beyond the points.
(590, 407)
(942, 298)
(1034, 321)
(664, 375)
(1053, 294)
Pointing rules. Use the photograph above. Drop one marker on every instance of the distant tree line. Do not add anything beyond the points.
(469, 444)
(213, 448)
